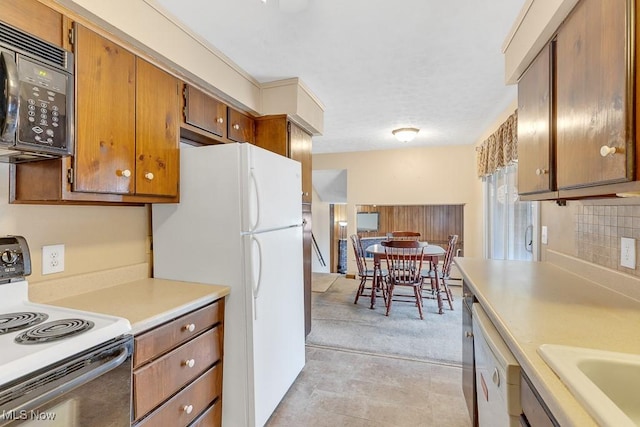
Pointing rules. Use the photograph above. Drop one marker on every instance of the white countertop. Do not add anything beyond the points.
(537, 303)
(147, 302)
(127, 292)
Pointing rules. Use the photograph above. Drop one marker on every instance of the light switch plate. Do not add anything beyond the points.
(543, 235)
(52, 259)
(628, 252)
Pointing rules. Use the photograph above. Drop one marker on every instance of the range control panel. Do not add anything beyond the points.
(15, 261)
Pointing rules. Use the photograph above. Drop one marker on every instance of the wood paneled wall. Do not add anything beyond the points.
(434, 222)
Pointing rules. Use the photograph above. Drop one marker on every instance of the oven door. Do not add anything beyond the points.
(90, 389)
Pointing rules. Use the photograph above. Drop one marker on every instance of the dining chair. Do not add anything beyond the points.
(404, 265)
(444, 273)
(364, 272)
(403, 235)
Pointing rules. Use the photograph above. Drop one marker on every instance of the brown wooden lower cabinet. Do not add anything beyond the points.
(177, 376)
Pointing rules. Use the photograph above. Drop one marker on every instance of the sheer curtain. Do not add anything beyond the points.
(510, 224)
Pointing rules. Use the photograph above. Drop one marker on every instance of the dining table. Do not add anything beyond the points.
(430, 254)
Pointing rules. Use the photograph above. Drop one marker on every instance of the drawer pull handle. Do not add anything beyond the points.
(126, 173)
(219, 120)
(190, 327)
(187, 408)
(468, 334)
(236, 126)
(541, 171)
(190, 363)
(149, 176)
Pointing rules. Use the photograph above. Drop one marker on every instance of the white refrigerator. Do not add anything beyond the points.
(239, 223)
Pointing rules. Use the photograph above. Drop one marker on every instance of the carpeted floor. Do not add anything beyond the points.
(320, 282)
(339, 323)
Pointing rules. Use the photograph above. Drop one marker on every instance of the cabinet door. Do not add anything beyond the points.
(300, 150)
(535, 149)
(105, 118)
(33, 17)
(157, 131)
(241, 127)
(594, 101)
(205, 112)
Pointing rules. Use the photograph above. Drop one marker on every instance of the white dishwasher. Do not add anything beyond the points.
(497, 375)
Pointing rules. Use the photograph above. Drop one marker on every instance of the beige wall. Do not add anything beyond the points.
(414, 176)
(95, 237)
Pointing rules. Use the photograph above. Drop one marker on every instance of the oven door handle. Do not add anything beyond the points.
(8, 129)
(71, 384)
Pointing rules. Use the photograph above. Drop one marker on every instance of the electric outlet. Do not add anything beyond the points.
(543, 235)
(52, 259)
(628, 252)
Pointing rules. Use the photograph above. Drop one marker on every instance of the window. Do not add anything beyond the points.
(511, 225)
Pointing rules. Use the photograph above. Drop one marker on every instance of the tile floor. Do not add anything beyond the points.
(343, 388)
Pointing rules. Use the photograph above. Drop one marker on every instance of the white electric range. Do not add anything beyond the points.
(48, 351)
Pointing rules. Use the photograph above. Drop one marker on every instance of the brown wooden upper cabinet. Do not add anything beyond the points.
(205, 112)
(582, 111)
(206, 117)
(241, 127)
(280, 135)
(127, 121)
(35, 18)
(594, 98)
(536, 168)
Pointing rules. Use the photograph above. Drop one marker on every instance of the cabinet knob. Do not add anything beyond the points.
(126, 173)
(220, 120)
(148, 175)
(190, 363)
(236, 126)
(468, 334)
(190, 327)
(607, 151)
(541, 171)
(187, 408)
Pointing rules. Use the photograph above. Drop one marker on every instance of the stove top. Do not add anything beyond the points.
(33, 335)
(24, 350)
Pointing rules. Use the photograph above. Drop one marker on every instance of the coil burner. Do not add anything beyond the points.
(10, 322)
(53, 331)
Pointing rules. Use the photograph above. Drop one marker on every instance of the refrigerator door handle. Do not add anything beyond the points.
(254, 180)
(258, 282)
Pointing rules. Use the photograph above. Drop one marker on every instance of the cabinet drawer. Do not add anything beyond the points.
(211, 417)
(241, 127)
(155, 382)
(182, 408)
(205, 112)
(162, 339)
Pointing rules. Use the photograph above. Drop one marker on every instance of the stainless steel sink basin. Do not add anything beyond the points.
(606, 383)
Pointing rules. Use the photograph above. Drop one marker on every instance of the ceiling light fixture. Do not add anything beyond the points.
(405, 134)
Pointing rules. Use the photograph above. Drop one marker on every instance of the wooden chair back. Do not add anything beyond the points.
(449, 254)
(403, 235)
(359, 253)
(404, 261)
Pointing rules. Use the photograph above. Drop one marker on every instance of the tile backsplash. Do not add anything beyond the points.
(598, 230)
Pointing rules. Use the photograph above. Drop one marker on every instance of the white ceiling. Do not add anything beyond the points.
(375, 65)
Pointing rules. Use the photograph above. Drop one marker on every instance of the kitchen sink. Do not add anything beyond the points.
(606, 383)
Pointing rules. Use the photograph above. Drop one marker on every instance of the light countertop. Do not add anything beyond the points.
(533, 303)
(145, 302)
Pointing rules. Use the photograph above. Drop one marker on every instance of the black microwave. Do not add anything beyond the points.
(36, 103)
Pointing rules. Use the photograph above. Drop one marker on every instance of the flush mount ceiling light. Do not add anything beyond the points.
(405, 134)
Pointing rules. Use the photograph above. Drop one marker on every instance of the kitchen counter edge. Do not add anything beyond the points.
(146, 303)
